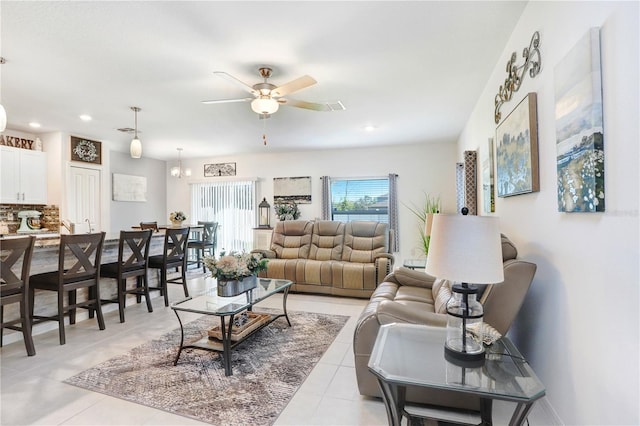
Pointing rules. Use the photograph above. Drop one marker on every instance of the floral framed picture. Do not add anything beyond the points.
(86, 150)
(517, 150)
(219, 169)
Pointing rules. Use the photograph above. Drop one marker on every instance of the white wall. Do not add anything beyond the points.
(579, 326)
(425, 168)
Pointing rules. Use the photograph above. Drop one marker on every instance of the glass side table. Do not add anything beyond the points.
(410, 354)
(415, 263)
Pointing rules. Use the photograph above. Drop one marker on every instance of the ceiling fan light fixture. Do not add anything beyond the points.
(264, 105)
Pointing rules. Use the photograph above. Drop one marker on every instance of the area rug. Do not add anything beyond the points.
(268, 368)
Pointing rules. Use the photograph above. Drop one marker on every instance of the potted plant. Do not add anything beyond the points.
(235, 272)
(425, 214)
(287, 211)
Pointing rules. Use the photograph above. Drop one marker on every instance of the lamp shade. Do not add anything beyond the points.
(465, 249)
(135, 149)
(264, 105)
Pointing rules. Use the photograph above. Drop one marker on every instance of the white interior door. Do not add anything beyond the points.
(84, 199)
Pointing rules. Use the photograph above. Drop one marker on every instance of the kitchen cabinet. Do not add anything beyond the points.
(23, 176)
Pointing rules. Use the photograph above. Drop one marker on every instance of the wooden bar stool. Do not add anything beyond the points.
(174, 255)
(83, 253)
(15, 288)
(207, 244)
(149, 225)
(135, 265)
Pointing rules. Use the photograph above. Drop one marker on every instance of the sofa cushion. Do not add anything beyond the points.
(363, 240)
(292, 239)
(327, 240)
(354, 275)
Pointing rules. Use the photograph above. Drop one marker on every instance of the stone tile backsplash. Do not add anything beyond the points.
(50, 218)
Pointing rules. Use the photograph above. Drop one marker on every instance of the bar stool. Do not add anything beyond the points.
(14, 288)
(174, 255)
(83, 253)
(149, 225)
(206, 244)
(133, 266)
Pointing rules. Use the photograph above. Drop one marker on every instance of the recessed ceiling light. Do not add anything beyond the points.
(370, 128)
(34, 125)
(85, 117)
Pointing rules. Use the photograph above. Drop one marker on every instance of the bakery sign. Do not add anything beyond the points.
(17, 142)
(86, 150)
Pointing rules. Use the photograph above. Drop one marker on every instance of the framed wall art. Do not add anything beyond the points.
(219, 169)
(517, 150)
(579, 127)
(129, 188)
(86, 150)
(292, 189)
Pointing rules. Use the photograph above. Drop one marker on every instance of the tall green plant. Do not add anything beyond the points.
(431, 205)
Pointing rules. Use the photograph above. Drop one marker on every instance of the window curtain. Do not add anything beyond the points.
(326, 198)
(233, 205)
(393, 212)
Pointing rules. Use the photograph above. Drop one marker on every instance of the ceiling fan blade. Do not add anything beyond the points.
(294, 85)
(237, 82)
(324, 106)
(226, 101)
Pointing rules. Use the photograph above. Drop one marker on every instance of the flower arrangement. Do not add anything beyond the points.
(235, 266)
(177, 216)
(287, 211)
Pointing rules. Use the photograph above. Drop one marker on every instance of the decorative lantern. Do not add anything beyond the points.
(264, 213)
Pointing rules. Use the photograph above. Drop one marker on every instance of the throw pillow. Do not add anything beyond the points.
(442, 297)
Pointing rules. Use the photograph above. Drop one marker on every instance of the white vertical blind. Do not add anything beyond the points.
(233, 205)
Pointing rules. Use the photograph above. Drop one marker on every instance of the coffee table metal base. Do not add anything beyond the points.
(227, 329)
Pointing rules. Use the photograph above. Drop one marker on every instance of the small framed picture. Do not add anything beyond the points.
(86, 150)
(219, 169)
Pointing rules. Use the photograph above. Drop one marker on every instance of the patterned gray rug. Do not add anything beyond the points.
(268, 368)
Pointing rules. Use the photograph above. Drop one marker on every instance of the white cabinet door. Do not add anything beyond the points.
(9, 175)
(33, 177)
(23, 176)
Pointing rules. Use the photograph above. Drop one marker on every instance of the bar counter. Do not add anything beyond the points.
(45, 259)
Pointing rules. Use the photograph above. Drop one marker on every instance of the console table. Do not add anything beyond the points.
(410, 354)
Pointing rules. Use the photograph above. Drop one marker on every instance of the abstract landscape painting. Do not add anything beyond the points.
(517, 150)
(579, 127)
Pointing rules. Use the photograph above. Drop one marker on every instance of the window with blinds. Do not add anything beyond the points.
(360, 199)
(233, 205)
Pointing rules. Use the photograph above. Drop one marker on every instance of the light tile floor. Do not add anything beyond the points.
(33, 392)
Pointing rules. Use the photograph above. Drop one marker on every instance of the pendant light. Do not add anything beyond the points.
(178, 171)
(135, 149)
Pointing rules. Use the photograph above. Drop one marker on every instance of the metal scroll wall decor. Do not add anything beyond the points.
(516, 73)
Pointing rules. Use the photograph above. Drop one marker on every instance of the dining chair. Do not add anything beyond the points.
(174, 255)
(133, 262)
(206, 244)
(15, 263)
(78, 268)
(149, 225)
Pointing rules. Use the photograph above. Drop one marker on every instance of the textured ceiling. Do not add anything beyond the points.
(411, 69)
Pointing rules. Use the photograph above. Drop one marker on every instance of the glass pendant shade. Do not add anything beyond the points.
(264, 105)
(3, 119)
(135, 149)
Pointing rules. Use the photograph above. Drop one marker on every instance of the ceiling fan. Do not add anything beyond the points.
(268, 97)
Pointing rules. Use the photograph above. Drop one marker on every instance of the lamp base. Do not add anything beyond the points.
(464, 359)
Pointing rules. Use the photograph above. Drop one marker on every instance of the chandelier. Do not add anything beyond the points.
(178, 171)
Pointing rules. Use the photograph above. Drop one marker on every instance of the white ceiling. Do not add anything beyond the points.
(411, 69)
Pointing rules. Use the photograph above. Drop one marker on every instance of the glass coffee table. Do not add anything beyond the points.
(229, 309)
(413, 355)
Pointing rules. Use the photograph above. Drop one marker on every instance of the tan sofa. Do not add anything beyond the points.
(415, 297)
(330, 257)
